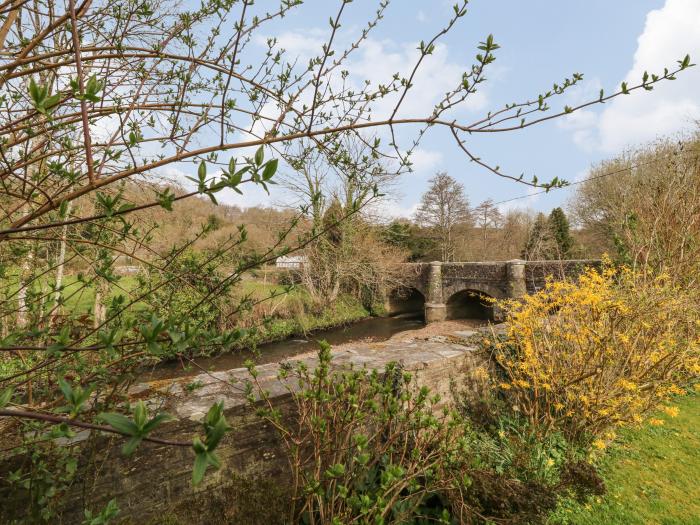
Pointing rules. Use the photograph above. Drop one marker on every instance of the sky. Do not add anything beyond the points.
(542, 42)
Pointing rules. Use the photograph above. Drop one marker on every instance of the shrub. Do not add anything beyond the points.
(369, 447)
(365, 447)
(584, 357)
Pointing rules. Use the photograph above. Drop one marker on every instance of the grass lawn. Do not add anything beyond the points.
(652, 476)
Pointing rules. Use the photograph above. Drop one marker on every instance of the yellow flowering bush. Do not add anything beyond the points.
(582, 357)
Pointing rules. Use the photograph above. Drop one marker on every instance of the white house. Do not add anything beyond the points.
(294, 262)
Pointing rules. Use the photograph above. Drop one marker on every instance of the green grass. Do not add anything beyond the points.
(80, 298)
(652, 475)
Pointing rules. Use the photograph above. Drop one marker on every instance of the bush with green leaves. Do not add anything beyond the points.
(371, 447)
(366, 446)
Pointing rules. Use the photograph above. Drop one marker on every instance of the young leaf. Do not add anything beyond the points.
(120, 423)
(259, 156)
(270, 169)
(6, 396)
(131, 444)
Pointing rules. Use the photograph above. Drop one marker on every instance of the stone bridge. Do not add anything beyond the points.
(462, 289)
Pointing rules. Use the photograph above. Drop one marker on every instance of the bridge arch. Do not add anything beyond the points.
(472, 303)
(406, 300)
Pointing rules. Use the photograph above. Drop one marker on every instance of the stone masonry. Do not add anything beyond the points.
(439, 282)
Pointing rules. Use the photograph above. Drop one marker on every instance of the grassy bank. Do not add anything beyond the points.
(299, 315)
(651, 475)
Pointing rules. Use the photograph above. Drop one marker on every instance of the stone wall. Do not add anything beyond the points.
(153, 486)
(537, 272)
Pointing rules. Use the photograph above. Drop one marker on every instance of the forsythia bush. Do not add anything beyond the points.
(584, 357)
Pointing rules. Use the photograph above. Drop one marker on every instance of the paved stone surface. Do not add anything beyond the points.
(190, 397)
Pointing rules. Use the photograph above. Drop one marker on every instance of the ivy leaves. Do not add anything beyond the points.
(137, 428)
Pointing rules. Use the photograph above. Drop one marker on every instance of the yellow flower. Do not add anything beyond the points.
(656, 422)
(505, 386)
(599, 444)
(671, 411)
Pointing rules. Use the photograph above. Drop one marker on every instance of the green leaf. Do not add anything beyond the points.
(156, 421)
(270, 169)
(65, 388)
(120, 423)
(140, 414)
(51, 101)
(130, 446)
(200, 467)
(6, 396)
(259, 156)
(34, 92)
(202, 171)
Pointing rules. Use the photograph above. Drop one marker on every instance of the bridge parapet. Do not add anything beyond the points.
(438, 282)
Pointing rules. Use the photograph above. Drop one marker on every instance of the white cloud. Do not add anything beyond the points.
(296, 44)
(425, 160)
(437, 74)
(377, 60)
(669, 34)
(389, 209)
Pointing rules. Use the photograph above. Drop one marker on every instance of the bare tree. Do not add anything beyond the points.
(648, 212)
(443, 207)
(488, 218)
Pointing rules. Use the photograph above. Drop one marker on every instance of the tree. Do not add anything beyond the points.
(99, 99)
(540, 242)
(408, 237)
(487, 216)
(561, 231)
(444, 206)
(643, 207)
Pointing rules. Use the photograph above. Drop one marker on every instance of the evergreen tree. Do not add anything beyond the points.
(561, 232)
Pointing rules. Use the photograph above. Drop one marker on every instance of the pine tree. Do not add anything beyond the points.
(561, 232)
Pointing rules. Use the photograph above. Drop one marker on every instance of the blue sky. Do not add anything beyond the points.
(542, 41)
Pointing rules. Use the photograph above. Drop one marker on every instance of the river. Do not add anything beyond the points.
(371, 329)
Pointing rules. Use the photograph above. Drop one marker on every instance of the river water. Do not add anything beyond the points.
(372, 329)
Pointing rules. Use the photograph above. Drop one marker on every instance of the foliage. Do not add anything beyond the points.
(373, 447)
(102, 98)
(559, 225)
(540, 244)
(366, 446)
(190, 289)
(584, 358)
(408, 237)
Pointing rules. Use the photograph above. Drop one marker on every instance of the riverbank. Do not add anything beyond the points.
(310, 318)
